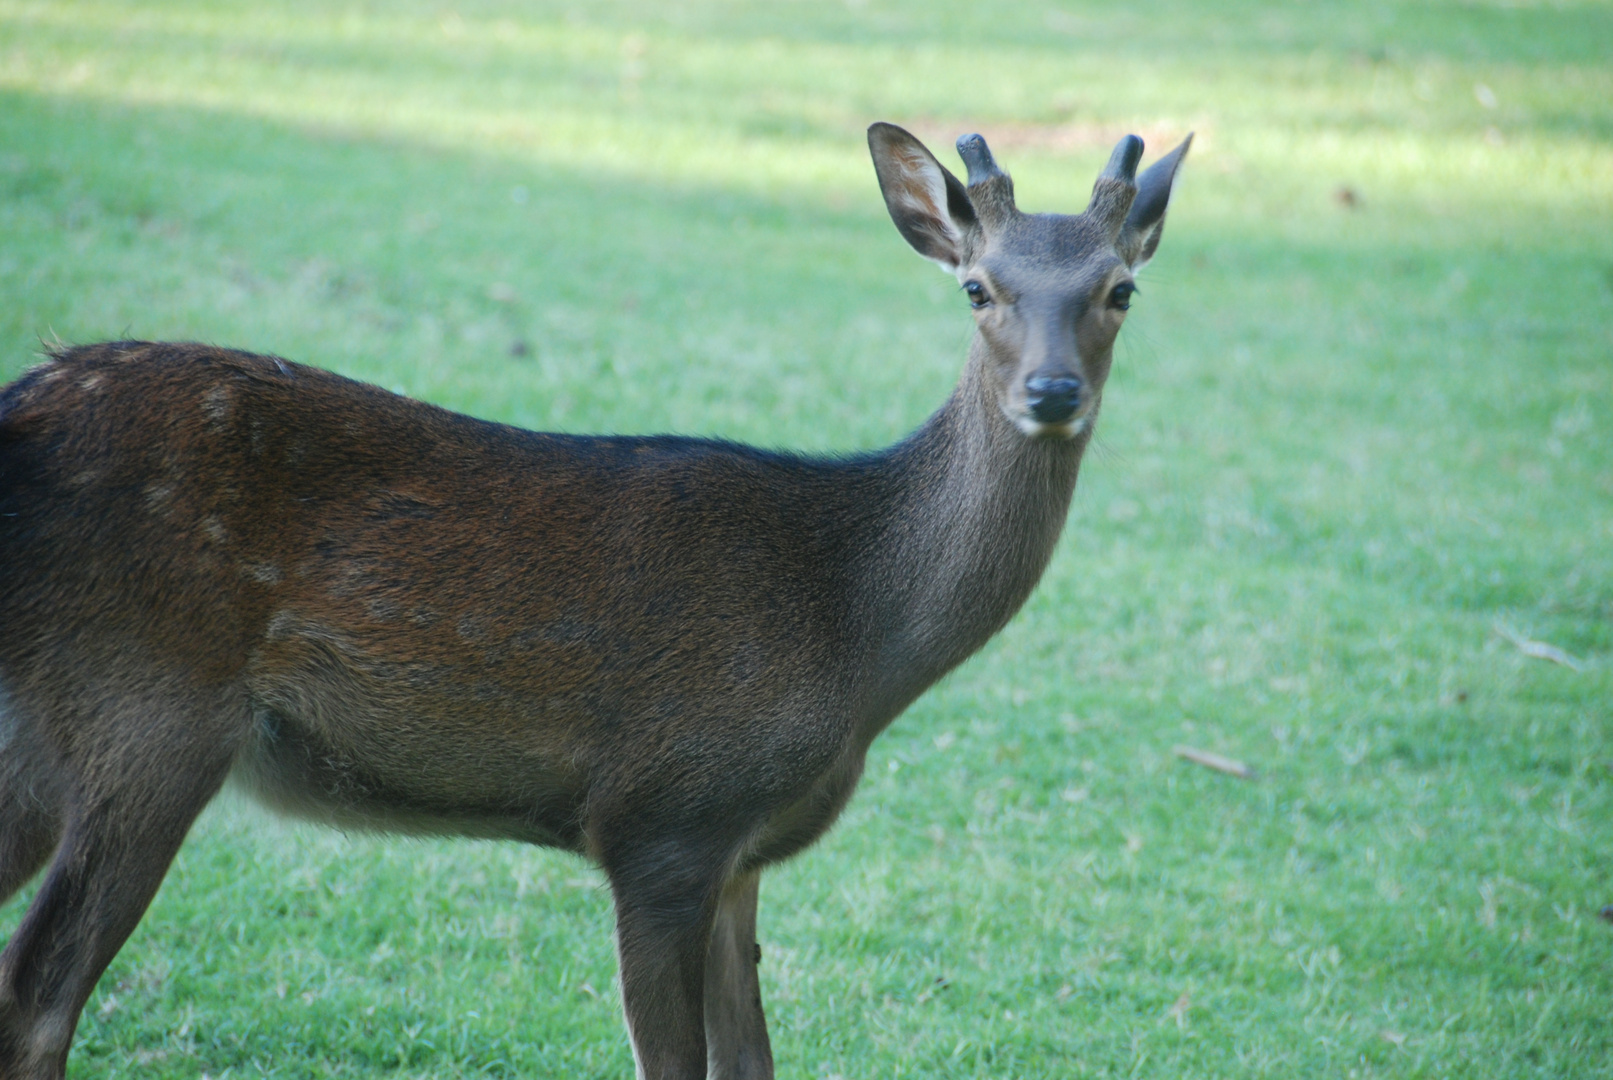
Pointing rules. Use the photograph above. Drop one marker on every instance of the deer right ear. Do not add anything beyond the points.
(929, 205)
(1139, 238)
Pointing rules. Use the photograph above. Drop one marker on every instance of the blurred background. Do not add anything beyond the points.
(1349, 518)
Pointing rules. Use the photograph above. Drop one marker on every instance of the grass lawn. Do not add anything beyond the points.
(1357, 444)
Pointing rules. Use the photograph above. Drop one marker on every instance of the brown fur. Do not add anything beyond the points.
(667, 654)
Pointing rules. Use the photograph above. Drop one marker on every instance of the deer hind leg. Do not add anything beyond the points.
(129, 800)
(737, 1047)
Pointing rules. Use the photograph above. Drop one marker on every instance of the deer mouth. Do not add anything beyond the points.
(1068, 428)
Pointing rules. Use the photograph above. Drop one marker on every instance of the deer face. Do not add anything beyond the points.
(1048, 297)
(1048, 291)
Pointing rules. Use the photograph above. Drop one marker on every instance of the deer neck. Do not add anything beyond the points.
(980, 510)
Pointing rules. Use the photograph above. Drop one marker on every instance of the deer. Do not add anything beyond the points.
(668, 655)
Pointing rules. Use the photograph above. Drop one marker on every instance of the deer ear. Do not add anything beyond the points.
(1145, 223)
(929, 205)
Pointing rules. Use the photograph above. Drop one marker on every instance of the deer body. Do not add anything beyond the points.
(669, 655)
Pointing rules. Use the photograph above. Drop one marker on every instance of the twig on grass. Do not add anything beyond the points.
(1230, 766)
(1539, 650)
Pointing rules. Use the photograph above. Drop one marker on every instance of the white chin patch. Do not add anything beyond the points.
(1069, 429)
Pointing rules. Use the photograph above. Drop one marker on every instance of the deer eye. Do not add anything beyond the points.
(978, 297)
(1120, 296)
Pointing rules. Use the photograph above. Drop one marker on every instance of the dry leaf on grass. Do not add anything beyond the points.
(1538, 650)
(1230, 766)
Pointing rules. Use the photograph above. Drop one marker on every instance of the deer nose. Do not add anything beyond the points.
(1052, 401)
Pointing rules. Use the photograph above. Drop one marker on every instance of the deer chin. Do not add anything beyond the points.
(1064, 429)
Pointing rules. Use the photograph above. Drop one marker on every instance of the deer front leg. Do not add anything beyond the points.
(736, 1028)
(665, 907)
(30, 826)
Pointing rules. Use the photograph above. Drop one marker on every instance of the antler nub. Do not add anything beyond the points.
(977, 156)
(990, 189)
(1123, 162)
(1116, 187)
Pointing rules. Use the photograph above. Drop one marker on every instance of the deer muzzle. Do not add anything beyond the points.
(1052, 400)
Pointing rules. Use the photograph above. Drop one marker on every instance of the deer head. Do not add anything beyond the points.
(1049, 291)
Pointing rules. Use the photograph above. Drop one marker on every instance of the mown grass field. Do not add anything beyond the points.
(1358, 439)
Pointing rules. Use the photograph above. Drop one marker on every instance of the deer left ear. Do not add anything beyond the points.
(1145, 222)
(929, 205)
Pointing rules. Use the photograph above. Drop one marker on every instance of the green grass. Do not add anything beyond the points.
(1343, 445)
